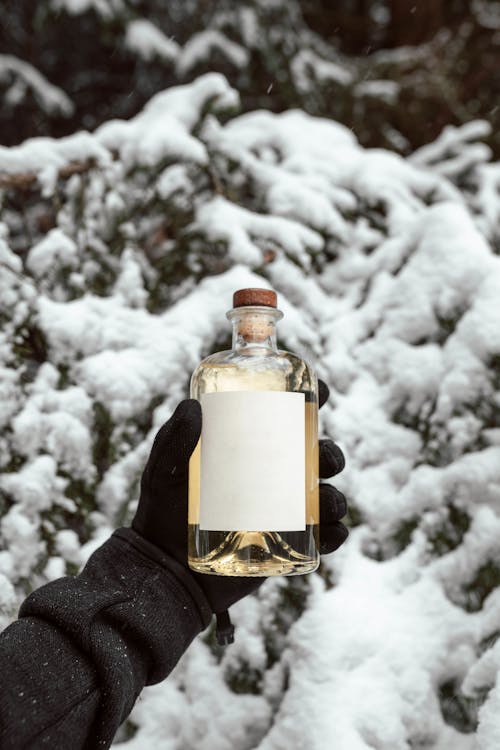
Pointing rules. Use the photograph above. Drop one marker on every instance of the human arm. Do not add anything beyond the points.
(84, 647)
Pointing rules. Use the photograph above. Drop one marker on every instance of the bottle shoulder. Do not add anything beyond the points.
(257, 370)
(279, 358)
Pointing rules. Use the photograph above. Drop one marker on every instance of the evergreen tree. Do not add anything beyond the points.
(119, 253)
(395, 71)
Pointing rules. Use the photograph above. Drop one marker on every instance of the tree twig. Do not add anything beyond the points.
(28, 180)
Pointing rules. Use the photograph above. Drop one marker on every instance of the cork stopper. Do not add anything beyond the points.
(255, 326)
(260, 297)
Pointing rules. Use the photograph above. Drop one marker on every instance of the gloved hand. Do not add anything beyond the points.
(161, 516)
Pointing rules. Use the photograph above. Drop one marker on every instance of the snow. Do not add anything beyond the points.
(51, 99)
(249, 28)
(161, 131)
(68, 546)
(56, 248)
(124, 356)
(285, 132)
(144, 38)
(129, 286)
(222, 219)
(173, 179)
(55, 568)
(488, 14)
(387, 277)
(306, 61)
(456, 149)
(19, 535)
(146, 140)
(105, 8)
(200, 45)
(387, 91)
(55, 421)
(488, 734)
(44, 157)
(380, 670)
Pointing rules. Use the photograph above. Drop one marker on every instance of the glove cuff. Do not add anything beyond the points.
(182, 574)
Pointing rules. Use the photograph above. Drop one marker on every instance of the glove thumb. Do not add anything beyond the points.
(173, 445)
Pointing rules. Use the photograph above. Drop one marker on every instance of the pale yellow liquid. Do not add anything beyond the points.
(258, 553)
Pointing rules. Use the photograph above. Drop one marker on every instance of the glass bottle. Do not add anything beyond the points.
(253, 477)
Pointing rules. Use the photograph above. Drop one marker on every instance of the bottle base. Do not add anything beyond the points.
(254, 554)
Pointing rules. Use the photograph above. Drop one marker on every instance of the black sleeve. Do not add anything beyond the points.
(74, 663)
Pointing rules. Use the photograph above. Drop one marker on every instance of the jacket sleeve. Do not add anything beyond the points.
(83, 648)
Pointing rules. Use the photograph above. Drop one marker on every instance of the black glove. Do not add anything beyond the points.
(161, 516)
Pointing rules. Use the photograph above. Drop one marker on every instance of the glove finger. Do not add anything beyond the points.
(323, 393)
(331, 459)
(332, 504)
(331, 537)
(173, 445)
(223, 591)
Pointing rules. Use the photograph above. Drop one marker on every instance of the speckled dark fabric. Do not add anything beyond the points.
(74, 663)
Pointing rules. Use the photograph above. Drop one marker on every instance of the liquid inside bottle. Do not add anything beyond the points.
(218, 541)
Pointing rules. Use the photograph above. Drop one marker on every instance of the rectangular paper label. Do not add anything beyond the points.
(252, 474)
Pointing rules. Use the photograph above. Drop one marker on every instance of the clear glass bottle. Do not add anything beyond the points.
(253, 477)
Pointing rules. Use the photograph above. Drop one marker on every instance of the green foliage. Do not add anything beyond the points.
(384, 549)
(396, 82)
(449, 533)
(244, 679)
(485, 580)
(291, 603)
(140, 247)
(103, 450)
(460, 711)
(29, 348)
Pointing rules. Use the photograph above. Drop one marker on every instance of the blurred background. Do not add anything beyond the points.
(395, 72)
(156, 156)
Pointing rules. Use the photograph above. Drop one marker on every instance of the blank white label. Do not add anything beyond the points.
(252, 475)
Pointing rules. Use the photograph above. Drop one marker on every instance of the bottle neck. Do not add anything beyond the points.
(254, 328)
